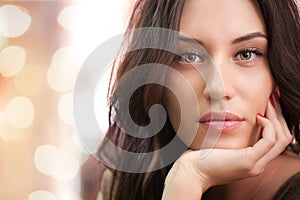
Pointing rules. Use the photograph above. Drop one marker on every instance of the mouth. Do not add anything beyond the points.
(221, 122)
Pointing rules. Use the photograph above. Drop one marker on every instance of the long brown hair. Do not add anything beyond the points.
(283, 29)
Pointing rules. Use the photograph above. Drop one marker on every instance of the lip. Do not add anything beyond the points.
(221, 121)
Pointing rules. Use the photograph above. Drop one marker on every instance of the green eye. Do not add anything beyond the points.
(190, 57)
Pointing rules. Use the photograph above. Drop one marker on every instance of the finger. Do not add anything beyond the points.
(272, 115)
(278, 146)
(283, 134)
(282, 140)
(266, 143)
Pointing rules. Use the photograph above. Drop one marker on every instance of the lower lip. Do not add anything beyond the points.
(222, 126)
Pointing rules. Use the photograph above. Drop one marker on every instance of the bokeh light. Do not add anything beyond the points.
(67, 167)
(63, 70)
(41, 195)
(14, 21)
(10, 133)
(67, 17)
(12, 60)
(42, 47)
(20, 112)
(65, 108)
(51, 161)
(75, 148)
(29, 81)
(44, 159)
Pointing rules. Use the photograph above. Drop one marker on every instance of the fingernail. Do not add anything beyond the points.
(272, 102)
(276, 96)
(261, 115)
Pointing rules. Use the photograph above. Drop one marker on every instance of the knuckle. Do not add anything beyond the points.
(282, 147)
(256, 171)
(285, 141)
(248, 165)
(289, 139)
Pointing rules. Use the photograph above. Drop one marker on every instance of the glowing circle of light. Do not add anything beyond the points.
(9, 133)
(63, 70)
(51, 161)
(14, 21)
(12, 60)
(45, 158)
(41, 195)
(20, 112)
(73, 147)
(67, 17)
(65, 108)
(67, 167)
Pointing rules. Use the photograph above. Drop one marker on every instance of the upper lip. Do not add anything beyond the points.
(220, 116)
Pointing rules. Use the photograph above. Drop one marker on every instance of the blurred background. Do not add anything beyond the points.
(42, 46)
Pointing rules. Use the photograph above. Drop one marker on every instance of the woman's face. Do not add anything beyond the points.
(234, 35)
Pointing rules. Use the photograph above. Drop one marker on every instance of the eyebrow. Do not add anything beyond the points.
(190, 40)
(249, 36)
(243, 38)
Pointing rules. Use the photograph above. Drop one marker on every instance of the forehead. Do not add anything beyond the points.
(216, 18)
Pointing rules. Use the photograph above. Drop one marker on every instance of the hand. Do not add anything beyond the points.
(191, 175)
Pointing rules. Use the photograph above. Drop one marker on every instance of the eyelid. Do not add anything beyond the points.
(254, 50)
(180, 57)
(201, 54)
(250, 49)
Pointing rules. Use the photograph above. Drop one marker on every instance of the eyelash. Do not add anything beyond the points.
(183, 56)
(254, 51)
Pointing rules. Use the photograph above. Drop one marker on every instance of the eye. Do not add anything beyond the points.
(189, 57)
(248, 55)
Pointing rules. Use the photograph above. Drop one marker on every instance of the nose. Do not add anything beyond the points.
(219, 83)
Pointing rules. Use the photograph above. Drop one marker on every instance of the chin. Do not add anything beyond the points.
(234, 143)
(238, 139)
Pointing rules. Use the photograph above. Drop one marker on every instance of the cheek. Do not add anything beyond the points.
(255, 90)
(183, 98)
(257, 85)
(173, 108)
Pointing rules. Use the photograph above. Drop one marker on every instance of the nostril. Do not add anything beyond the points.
(210, 99)
(213, 99)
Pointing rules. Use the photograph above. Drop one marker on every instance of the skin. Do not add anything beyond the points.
(247, 81)
(245, 159)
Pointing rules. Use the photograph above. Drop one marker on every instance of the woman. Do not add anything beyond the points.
(245, 79)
